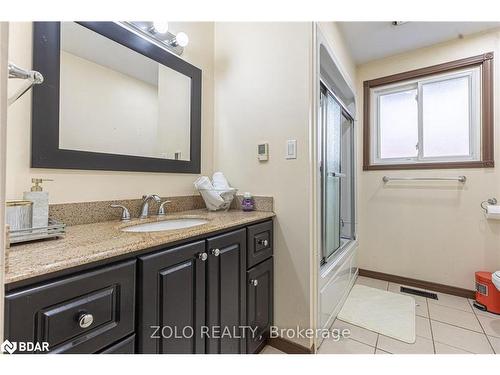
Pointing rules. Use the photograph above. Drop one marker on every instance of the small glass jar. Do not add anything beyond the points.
(248, 203)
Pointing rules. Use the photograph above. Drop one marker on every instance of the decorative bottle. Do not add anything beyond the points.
(248, 203)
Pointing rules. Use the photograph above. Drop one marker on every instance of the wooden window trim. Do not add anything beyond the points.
(485, 61)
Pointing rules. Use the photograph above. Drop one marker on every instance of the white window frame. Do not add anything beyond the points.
(474, 78)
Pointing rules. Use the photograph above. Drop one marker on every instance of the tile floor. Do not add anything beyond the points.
(450, 325)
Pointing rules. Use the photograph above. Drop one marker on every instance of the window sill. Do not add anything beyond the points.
(446, 165)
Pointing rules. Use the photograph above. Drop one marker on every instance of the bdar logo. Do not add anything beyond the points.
(8, 347)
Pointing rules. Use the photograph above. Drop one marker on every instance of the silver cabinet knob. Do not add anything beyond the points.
(265, 243)
(215, 252)
(254, 282)
(203, 256)
(85, 320)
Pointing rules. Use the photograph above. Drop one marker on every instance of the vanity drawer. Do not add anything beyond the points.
(259, 243)
(79, 314)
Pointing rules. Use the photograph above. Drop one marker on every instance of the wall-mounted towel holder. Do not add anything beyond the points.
(461, 179)
(491, 209)
(32, 77)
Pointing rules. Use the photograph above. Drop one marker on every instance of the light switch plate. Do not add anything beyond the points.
(291, 149)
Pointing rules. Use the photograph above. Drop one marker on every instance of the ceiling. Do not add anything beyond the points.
(369, 41)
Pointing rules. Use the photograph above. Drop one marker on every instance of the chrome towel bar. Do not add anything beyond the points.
(459, 179)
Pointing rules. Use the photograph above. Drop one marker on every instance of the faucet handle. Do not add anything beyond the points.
(125, 211)
(156, 197)
(161, 209)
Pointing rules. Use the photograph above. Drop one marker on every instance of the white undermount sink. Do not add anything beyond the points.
(158, 226)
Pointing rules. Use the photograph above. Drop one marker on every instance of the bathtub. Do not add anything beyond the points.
(336, 278)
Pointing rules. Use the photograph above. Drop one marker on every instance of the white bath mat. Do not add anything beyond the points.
(389, 314)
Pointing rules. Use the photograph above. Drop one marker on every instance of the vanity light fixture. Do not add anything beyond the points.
(181, 39)
(157, 32)
(160, 26)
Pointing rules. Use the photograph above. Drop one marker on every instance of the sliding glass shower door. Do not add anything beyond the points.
(336, 174)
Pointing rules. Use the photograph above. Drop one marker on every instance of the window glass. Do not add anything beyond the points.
(398, 117)
(446, 117)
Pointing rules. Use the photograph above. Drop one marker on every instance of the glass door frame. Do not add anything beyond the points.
(344, 111)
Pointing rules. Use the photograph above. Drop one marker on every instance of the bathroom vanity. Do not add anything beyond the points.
(187, 282)
(104, 290)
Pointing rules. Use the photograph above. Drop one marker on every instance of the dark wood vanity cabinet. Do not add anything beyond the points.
(259, 242)
(125, 346)
(226, 292)
(192, 298)
(84, 313)
(259, 303)
(186, 293)
(172, 303)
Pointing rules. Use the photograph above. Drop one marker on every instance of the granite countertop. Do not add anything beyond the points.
(88, 243)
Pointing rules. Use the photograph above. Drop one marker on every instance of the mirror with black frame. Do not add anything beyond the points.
(113, 100)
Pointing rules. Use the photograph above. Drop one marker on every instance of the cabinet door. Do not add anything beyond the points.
(260, 303)
(172, 300)
(226, 288)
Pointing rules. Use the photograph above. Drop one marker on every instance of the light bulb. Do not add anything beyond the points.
(160, 26)
(182, 39)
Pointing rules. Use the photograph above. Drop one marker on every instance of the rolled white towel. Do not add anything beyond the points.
(227, 195)
(202, 182)
(211, 197)
(220, 181)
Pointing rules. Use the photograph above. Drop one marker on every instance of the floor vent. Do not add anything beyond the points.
(421, 293)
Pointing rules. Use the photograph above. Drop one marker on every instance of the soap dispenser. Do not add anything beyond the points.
(40, 201)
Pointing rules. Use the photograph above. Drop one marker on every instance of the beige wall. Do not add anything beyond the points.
(80, 186)
(263, 95)
(4, 30)
(430, 231)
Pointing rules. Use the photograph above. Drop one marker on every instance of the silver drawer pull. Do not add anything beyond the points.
(264, 242)
(254, 282)
(85, 320)
(215, 252)
(202, 256)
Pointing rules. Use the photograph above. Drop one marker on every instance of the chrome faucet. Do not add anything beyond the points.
(145, 204)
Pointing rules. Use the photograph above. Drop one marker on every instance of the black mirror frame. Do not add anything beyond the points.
(45, 151)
